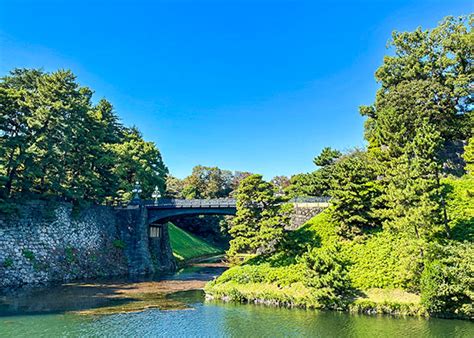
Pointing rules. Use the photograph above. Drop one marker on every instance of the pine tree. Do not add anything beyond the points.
(260, 219)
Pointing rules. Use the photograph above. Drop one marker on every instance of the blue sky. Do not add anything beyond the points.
(258, 86)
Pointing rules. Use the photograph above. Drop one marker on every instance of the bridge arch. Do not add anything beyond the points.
(165, 210)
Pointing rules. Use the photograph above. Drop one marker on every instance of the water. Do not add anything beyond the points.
(46, 313)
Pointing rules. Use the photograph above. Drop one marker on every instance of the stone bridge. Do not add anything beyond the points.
(146, 234)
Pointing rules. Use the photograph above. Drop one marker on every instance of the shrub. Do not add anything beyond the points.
(383, 260)
(447, 281)
(326, 274)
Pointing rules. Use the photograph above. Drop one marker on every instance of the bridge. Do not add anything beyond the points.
(163, 210)
(145, 231)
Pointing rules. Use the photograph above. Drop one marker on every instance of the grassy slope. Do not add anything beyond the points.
(381, 264)
(186, 246)
(285, 285)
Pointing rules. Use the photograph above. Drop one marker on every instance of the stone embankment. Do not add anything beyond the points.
(47, 242)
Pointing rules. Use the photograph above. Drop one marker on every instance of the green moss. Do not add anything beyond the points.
(29, 255)
(119, 244)
(70, 255)
(7, 263)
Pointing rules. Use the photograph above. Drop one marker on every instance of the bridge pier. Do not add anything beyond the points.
(145, 254)
(160, 248)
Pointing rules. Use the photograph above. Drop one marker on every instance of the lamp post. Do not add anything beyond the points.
(156, 195)
(137, 190)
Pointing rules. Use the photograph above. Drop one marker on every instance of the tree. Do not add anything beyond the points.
(208, 182)
(280, 183)
(354, 191)
(469, 156)
(238, 177)
(316, 183)
(413, 192)
(427, 78)
(260, 220)
(174, 187)
(327, 157)
(418, 123)
(138, 161)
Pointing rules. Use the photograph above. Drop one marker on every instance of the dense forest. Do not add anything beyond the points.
(398, 236)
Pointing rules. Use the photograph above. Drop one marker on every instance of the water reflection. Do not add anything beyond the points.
(44, 313)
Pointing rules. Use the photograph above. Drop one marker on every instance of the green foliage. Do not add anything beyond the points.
(327, 157)
(137, 160)
(459, 197)
(383, 260)
(56, 143)
(187, 246)
(119, 244)
(207, 182)
(29, 255)
(469, 155)
(418, 122)
(260, 219)
(326, 275)
(354, 191)
(447, 282)
(7, 263)
(316, 183)
(264, 273)
(70, 254)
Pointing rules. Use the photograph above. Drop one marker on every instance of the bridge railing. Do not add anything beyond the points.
(217, 202)
(192, 203)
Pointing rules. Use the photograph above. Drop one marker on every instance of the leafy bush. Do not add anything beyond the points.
(264, 273)
(447, 282)
(326, 275)
(383, 260)
(459, 194)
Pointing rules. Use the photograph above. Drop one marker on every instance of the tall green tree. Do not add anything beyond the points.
(137, 160)
(318, 182)
(354, 192)
(55, 143)
(208, 182)
(260, 219)
(419, 121)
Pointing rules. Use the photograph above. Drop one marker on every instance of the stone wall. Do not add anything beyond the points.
(303, 212)
(46, 242)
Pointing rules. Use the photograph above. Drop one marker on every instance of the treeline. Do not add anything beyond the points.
(55, 143)
(205, 182)
(402, 210)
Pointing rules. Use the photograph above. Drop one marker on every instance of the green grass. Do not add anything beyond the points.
(187, 246)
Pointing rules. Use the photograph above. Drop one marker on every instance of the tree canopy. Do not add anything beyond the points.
(54, 142)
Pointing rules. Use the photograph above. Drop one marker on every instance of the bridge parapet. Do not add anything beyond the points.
(168, 203)
(191, 203)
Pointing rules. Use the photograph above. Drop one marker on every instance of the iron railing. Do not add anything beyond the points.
(166, 203)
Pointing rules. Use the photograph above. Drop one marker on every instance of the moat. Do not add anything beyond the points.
(174, 305)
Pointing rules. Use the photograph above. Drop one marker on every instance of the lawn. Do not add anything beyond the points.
(187, 246)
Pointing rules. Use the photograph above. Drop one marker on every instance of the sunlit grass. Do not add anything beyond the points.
(187, 246)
